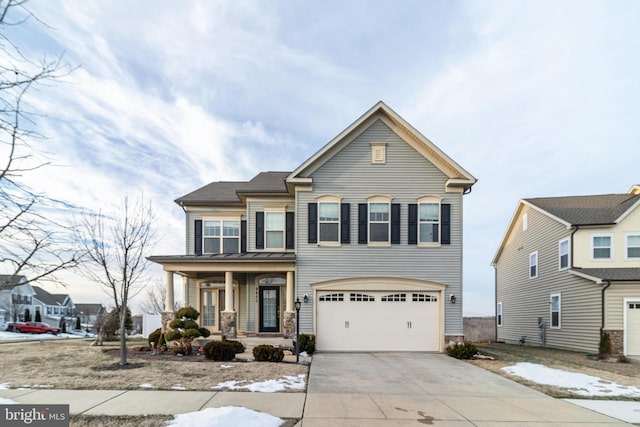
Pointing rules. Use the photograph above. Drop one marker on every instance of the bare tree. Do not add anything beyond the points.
(115, 247)
(34, 238)
(153, 302)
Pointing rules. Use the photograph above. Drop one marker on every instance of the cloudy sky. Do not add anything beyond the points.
(533, 98)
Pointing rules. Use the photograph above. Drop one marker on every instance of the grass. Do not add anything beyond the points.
(508, 354)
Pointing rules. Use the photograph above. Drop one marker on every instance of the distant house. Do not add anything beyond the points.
(53, 307)
(568, 270)
(89, 315)
(16, 298)
(366, 234)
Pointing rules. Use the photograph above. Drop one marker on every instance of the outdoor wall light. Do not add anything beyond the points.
(305, 298)
(452, 298)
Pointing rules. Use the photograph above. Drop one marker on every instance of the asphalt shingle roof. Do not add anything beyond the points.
(612, 274)
(587, 210)
(227, 191)
(49, 299)
(10, 281)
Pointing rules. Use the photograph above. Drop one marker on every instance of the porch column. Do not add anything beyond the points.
(228, 316)
(167, 314)
(289, 319)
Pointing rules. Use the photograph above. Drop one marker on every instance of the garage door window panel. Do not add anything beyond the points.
(394, 298)
(331, 297)
(424, 298)
(361, 297)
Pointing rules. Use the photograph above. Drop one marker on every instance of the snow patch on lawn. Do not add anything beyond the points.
(16, 336)
(224, 417)
(287, 382)
(581, 384)
(4, 401)
(146, 385)
(5, 386)
(226, 366)
(178, 387)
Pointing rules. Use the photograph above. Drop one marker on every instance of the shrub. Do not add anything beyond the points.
(465, 350)
(220, 351)
(185, 330)
(267, 353)
(172, 335)
(188, 313)
(154, 337)
(307, 343)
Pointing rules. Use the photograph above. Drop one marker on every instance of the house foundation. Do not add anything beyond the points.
(617, 341)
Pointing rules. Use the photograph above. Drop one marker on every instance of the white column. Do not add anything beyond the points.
(228, 291)
(290, 292)
(168, 298)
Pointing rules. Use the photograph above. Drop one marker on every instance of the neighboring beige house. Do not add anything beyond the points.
(568, 269)
(366, 233)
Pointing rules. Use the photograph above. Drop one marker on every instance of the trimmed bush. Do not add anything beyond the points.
(267, 353)
(307, 343)
(172, 335)
(465, 350)
(220, 351)
(154, 336)
(187, 312)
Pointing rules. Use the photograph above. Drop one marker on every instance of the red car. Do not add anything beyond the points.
(36, 328)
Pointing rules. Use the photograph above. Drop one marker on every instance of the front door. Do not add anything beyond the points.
(269, 309)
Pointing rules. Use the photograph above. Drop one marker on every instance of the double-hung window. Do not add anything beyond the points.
(602, 248)
(221, 236)
(329, 221)
(429, 220)
(379, 222)
(274, 230)
(533, 265)
(556, 307)
(632, 246)
(563, 254)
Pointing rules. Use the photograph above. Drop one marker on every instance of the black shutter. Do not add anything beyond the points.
(362, 223)
(313, 223)
(413, 224)
(345, 223)
(243, 236)
(395, 223)
(445, 224)
(289, 230)
(259, 230)
(197, 237)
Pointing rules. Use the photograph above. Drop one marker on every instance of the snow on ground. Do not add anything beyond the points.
(581, 384)
(4, 401)
(269, 386)
(146, 385)
(224, 417)
(16, 336)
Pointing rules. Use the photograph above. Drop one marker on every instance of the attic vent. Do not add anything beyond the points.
(378, 152)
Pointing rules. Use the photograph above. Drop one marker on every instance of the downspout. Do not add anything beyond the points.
(608, 282)
(495, 299)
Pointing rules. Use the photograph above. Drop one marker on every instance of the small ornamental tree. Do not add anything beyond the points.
(185, 330)
(38, 316)
(27, 315)
(78, 325)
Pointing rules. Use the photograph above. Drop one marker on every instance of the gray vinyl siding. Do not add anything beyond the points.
(615, 295)
(406, 176)
(524, 299)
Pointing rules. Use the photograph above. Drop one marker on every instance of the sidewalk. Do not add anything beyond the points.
(159, 402)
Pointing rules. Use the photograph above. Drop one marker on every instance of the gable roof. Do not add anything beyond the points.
(458, 176)
(88, 308)
(587, 210)
(50, 299)
(232, 192)
(8, 281)
(576, 211)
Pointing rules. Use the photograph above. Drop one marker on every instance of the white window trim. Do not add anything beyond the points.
(559, 311)
(560, 267)
(499, 315)
(378, 199)
(611, 252)
(284, 229)
(626, 245)
(330, 199)
(537, 264)
(222, 219)
(435, 200)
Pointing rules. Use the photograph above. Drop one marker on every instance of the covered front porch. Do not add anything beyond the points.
(236, 295)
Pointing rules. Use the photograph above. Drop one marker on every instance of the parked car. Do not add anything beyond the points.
(36, 328)
(11, 326)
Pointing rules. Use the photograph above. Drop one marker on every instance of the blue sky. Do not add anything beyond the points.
(533, 98)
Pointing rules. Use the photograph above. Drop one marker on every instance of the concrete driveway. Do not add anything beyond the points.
(417, 389)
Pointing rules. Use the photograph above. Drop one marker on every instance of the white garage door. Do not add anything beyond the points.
(632, 337)
(378, 321)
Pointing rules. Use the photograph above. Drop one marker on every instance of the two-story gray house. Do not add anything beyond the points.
(568, 271)
(367, 234)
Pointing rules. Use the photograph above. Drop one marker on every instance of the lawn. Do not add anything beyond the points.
(507, 355)
(74, 364)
